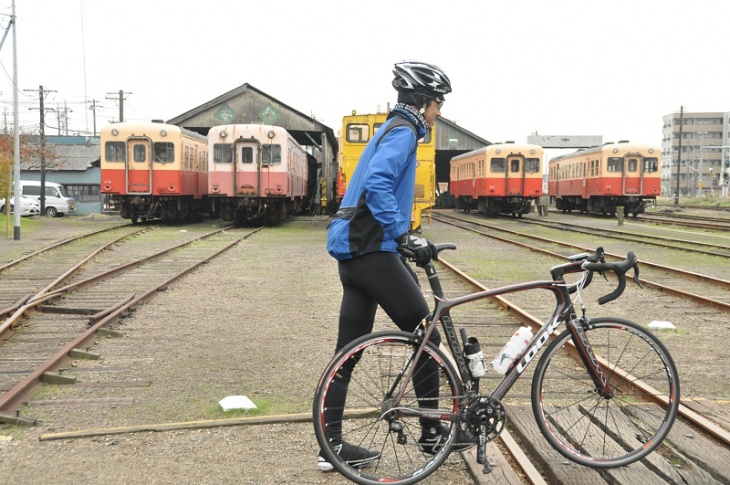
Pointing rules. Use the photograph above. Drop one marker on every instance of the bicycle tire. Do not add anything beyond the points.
(366, 422)
(600, 432)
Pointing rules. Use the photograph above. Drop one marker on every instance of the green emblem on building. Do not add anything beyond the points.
(225, 114)
(269, 114)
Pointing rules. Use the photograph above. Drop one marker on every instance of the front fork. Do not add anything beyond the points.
(577, 327)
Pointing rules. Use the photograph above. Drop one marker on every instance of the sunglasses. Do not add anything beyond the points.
(439, 101)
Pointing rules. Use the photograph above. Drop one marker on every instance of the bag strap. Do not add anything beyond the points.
(397, 122)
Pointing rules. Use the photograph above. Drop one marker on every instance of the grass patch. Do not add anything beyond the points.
(694, 201)
(30, 224)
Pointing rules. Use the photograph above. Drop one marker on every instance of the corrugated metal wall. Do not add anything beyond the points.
(450, 136)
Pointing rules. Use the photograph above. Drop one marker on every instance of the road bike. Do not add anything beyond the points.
(605, 391)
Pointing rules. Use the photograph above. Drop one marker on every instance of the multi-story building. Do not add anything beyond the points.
(704, 160)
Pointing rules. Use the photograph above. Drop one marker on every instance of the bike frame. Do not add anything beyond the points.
(563, 312)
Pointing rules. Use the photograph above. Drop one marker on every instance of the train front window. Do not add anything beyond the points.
(514, 166)
(651, 164)
(497, 165)
(247, 155)
(270, 154)
(532, 165)
(222, 153)
(615, 164)
(115, 151)
(164, 152)
(140, 153)
(358, 133)
(633, 165)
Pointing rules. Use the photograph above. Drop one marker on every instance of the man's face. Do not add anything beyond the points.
(433, 110)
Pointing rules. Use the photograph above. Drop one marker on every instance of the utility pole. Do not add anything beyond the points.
(42, 96)
(66, 111)
(93, 110)
(701, 173)
(679, 154)
(121, 98)
(16, 130)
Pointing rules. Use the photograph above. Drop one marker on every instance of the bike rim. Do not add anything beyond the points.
(600, 431)
(372, 423)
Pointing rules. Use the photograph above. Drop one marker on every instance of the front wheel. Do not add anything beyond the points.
(370, 372)
(51, 212)
(617, 429)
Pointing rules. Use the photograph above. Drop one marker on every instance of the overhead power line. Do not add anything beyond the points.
(120, 99)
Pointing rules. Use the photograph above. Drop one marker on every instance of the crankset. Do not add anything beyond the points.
(486, 419)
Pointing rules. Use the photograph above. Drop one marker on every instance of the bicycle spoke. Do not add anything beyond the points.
(614, 429)
(391, 430)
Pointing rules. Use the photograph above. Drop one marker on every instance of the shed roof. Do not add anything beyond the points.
(66, 156)
(230, 107)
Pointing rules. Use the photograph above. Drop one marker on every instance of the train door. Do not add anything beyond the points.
(515, 175)
(139, 166)
(247, 175)
(632, 176)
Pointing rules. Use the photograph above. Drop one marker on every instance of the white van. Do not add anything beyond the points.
(58, 202)
(28, 206)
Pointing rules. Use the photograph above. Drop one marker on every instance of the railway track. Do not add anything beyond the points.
(674, 462)
(69, 303)
(712, 248)
(670, 217)
(489, 321)
(708, 288)
(686, 220)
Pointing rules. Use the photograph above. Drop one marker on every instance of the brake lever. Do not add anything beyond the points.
(636, 274)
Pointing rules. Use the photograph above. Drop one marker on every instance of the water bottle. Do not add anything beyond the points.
(514, 347)
(475, 357)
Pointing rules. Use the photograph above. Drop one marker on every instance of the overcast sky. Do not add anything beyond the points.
(609, 68)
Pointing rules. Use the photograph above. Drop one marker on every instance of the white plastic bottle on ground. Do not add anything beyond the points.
(509, 352)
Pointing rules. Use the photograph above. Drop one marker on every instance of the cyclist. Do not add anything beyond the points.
(373, 220)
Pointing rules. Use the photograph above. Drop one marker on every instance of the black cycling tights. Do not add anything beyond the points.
(379, 278)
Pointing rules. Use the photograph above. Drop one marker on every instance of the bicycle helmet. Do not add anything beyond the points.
(415, 77)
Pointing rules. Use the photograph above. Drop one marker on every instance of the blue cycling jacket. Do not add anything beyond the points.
(377, 204)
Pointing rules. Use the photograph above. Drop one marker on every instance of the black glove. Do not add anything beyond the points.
(422, 250)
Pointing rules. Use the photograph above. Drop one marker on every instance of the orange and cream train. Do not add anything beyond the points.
(601, 179)
(504, 178)
(256, 172)
(154, 170)
(243, 173)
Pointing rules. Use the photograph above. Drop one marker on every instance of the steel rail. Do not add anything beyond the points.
(15, 395)
(73, 269)
(626, 236)
(666, 289)
(59, 243)
(525, 317)
(31, 302)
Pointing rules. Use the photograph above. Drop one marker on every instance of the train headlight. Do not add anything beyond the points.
(163, 132)
(615, 150)
(651, 150)
(115, 132)
(223, 134)
(271, 134)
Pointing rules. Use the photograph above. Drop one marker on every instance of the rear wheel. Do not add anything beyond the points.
(371, 418)
(606, 431)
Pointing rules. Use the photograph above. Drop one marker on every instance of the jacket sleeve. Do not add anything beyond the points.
(388, 165)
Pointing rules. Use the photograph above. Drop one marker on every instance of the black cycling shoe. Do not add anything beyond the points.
(433, 439)
(355, 456)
